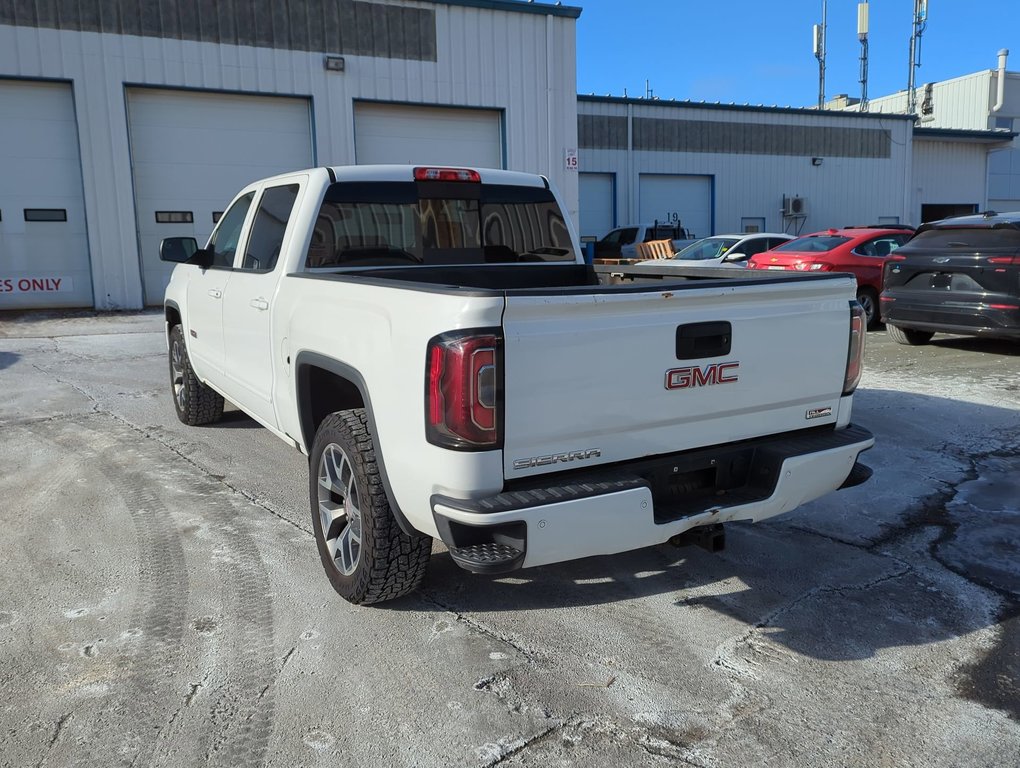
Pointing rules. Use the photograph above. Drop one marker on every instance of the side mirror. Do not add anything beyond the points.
(735, 256)
(177, 250)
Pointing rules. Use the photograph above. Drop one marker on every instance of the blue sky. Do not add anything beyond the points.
(760, 52)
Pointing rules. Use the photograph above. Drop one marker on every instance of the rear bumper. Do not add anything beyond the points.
(951, 315)
(633, 506)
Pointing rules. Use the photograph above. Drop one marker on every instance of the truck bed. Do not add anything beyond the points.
(558, 279)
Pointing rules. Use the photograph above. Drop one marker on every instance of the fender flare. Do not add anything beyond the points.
(306, 360)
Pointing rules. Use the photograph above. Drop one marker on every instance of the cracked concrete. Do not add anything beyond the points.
(879, 625)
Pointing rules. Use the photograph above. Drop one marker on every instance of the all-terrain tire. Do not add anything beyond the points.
(868, 299)
(390, 563)
(194, 402)
(908, 336)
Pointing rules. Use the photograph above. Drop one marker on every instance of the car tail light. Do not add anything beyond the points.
(446, 174)
(897, 257)
(464, 390)
(855, 354)
(1014, 260)
(807, 266)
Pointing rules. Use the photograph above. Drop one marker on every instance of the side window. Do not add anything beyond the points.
(223, 242)
(754, 246)
(270, 224)
(628, 235)
(775, 242)
(867, 249)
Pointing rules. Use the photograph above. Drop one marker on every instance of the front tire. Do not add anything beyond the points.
(908, 336)
(367, 558)
(194, 402)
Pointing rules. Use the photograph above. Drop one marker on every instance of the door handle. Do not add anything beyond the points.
(260, 304)
(215, 293)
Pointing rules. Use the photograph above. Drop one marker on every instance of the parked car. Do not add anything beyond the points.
(861, 251)
(723, 250)
(433, 341)
(622, 241)
(959, 275)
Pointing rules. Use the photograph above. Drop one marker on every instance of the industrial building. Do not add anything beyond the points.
(122, 122)
(726, 168)
(729, 168)
(975, 104)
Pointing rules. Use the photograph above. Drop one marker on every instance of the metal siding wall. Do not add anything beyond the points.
(484, 58)
(948, 172)
(841, 191)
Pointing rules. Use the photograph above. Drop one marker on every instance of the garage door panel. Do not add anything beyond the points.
(597, 206)
(667, 197)
(400, 133)
(42, 264)
(194, 151)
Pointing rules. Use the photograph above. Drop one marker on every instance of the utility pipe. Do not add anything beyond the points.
(1001, 95)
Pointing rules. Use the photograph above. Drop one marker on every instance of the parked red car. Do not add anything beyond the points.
(862, 251)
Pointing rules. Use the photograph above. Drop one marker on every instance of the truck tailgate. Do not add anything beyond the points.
(601, 377)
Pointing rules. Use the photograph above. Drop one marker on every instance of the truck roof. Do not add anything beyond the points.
(406, 173)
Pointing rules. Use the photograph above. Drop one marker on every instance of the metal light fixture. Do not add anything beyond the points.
(335, 63)
(816, 161)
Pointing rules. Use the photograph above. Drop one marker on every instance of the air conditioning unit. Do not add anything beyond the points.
(794, 206)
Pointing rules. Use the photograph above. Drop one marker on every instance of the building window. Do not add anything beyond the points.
(45, 214)
(174, 217)
(216, 216)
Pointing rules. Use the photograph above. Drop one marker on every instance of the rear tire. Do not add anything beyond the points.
(868, 299)
(908, 335)
(194, 402)
(367, 558)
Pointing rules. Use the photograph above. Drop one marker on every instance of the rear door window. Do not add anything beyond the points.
(268, 229)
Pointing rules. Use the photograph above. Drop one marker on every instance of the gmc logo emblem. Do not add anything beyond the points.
(695, 376)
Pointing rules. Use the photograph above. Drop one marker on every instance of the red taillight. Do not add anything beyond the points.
(464, 391)
(446, 174)
(855, 354)
(1015, 260)
(897, 257)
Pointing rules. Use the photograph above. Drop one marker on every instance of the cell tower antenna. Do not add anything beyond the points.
(818, 44)
(918, 25)
(862, 35)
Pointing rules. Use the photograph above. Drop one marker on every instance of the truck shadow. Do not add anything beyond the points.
(902, 560)
(7, 359)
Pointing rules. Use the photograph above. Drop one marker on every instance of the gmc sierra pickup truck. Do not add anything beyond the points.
(432, 339)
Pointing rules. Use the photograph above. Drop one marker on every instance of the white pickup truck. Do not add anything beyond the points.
(433, 341)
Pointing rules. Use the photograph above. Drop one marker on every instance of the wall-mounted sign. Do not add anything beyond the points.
(47, 284)
(571, 159)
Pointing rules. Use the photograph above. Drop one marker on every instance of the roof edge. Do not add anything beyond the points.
(964, 133)
(740, 107)
(516, 6)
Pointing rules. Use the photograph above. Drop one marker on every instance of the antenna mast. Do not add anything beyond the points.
(918, 25)
(862, 35)
(818, 44)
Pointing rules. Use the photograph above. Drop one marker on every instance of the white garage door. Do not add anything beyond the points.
(192, 152)
(399, 133)
(44, 251)
(688, 199)
(597, 207)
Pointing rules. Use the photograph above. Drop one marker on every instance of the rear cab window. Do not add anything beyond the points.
(967, 238)
(813, 244)
(437, 223)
